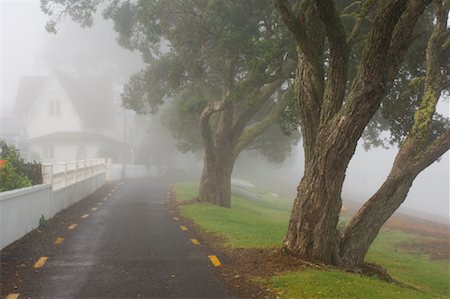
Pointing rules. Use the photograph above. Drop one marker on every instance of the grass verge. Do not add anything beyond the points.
(263, 223)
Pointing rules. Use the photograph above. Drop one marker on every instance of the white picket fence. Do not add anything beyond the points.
(64, 174)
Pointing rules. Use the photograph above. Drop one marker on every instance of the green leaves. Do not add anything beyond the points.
(13, 172)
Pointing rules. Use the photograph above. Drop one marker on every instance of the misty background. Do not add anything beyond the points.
(28, 50)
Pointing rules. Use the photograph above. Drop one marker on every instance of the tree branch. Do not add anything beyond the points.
(433, 151)
(294, 25)
(337, 74)
(259, 100)
(369, 85)
(205, 127)
(371, 79)
(253, 107)
(403, 35)
(257, 129)
(423, 117)
(365, 6)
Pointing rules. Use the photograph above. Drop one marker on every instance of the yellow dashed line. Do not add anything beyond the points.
(195, 242)
(176, 218)
(100, 204)
(59, 241)
(105, 198)
(12, 296)
(183, 227)
(94, 209)
(109, 194)
(40, 262)
(72, 226)
(214, 260)
(85, 216)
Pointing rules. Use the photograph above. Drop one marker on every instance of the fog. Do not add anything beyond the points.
(28, 50)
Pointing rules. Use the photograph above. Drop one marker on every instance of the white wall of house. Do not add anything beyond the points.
(53, 153)
(52, 111)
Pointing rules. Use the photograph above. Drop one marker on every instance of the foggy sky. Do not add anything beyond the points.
(24, 40)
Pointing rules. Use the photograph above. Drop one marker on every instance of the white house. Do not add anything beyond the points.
(67, 119)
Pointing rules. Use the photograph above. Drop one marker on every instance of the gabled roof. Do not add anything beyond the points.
(91, 97)
(27, 92)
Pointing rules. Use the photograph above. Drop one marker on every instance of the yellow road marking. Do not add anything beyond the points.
(176, 218)
(59, 241)
(109, 194)
(12, 296)
(105, 198)
(40, 262)
(195, 242)
(94, 209)
(183, 227)
(72, 226)
(214, 260)
(85, 216)
(100, 204)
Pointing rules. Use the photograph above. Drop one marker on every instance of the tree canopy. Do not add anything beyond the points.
(230, 63)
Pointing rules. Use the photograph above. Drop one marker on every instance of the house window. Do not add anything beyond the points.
(54, 108)
(48, 152)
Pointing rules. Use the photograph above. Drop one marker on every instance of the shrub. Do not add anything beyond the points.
(14, 172)
(10, 179)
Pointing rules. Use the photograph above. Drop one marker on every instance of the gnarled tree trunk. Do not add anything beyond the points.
(215, 183)
(332, 126)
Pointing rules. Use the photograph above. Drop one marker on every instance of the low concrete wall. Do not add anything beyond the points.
(65, 197)
(21, 209)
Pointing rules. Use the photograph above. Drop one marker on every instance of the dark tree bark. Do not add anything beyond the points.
(215, 183)
(331, 127)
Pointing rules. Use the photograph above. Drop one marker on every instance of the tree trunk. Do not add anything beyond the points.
(362, 230)
(215, 183)
(312, 232)
(331, 127)
(365, 226)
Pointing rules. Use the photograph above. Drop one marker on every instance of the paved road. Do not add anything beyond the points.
(129, 247)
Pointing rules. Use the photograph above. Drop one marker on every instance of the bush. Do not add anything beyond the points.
(10, 179)
(14, 172)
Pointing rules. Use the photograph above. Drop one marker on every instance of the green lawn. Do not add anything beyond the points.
(252, 224)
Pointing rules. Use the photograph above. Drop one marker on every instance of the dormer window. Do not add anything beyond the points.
(54, 108)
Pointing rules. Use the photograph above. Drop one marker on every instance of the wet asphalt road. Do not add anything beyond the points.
(130, 247)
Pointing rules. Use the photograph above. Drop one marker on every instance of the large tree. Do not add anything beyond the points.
(232, 61)
(346, 70)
